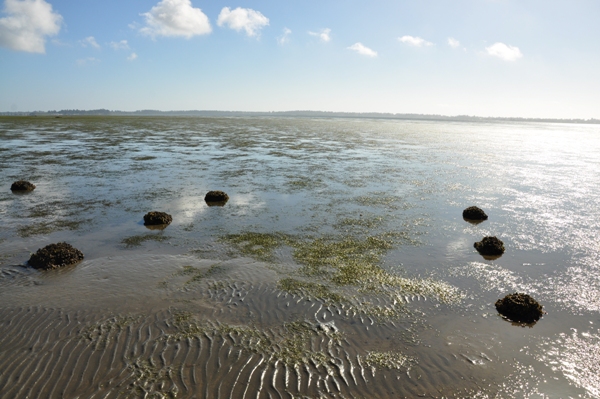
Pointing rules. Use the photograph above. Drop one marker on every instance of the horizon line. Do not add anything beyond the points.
(372, 114)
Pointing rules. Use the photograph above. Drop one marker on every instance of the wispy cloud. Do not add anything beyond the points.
(27, 24)
(363, 50)
(89, 41)
(120, 45)
(452, 42)
(324, 34)
(175, 18)
(245, 19)
(132, 56)
(415, 41)
(285, 37)
(504, 52)
(88, 61)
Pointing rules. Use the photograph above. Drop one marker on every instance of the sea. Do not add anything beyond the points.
(340, 267)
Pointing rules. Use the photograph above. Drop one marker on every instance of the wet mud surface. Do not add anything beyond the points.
(341, 265)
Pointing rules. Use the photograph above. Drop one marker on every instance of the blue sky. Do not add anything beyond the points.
(474, 57)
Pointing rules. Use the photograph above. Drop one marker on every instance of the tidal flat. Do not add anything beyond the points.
(340, 267)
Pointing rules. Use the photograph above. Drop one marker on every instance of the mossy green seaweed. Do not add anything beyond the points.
(388, 360)
(138, 240)
(289, 344)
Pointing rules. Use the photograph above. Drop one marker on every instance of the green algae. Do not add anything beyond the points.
(257, 245)
(137, 240)
(388, 360)
(356, 262)
(216, 285)
(197, 274)
(380, 199)
(100, 334)
(311, 290)
(144, 158)
(48, 227)
(290, 343)
(150, 379)
(344, 261)
(65, 208)
(367, 222)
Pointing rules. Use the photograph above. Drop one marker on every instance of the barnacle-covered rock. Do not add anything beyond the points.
(216, 198)
(22, 185)
(474, 213)
(490, 246)
(520, 308)
(54, 256)
(157, 218)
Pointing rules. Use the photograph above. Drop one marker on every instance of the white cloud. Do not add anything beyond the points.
(505, 52)
(452, 42)
(88, 61)
(323, 34)
(415, 41)
(243, 18)
(132, 57)
(363, 50)
(175, 18)
(120, 45)
(89, 41)
(283, 39)
(27, 24)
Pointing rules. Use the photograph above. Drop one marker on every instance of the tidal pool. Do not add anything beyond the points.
(340, 267)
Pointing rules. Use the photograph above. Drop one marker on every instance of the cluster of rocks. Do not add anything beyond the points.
(489, 246)
(62, 254)
(517, 307)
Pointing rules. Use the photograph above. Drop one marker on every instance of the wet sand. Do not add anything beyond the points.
(340, 267)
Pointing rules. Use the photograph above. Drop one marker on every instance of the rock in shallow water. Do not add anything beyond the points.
(54, 256)
(157, 218)
(520, 308)
(474, 213)
(22, 185)
(490, 246)
(216, 198)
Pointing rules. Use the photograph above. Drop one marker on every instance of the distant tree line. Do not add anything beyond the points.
(310, 114)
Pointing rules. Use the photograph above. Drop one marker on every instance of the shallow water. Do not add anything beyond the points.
(340, 267)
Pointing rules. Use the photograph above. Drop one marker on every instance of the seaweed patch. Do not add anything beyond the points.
(289, 344)
(138, 240)
(388, 360)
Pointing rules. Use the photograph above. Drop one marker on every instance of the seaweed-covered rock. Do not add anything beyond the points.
(157, 218)
(54, 256)
(474, 213)
(218, 198)
(22, 185)
(490, 246)
(520, 308)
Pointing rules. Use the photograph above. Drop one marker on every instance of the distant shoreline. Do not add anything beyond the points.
(307, 114)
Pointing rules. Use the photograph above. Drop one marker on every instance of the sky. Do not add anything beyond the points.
(523, 58)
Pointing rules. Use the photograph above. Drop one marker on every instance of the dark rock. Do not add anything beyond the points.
(54, 256)
(474, 213)
(157, 218)
(520, 308)
(22, 185)
(216, 198)
(490, 246)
